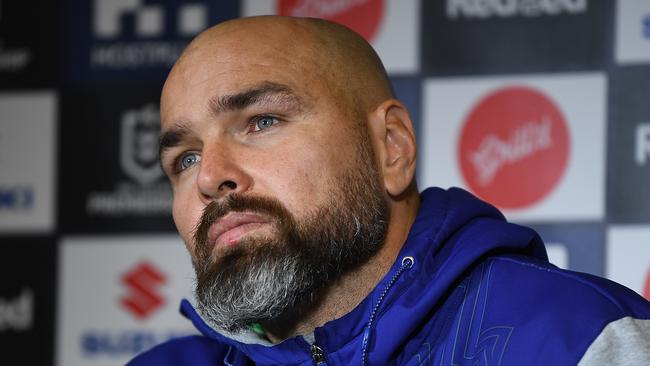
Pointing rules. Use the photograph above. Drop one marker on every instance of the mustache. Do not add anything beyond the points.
(234, 202)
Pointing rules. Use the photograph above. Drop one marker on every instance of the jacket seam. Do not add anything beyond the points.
(586, 342)
(570, 276)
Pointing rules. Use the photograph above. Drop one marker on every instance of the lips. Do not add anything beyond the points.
(230, 228)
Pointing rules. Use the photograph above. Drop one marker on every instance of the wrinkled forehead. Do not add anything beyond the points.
(233, 61)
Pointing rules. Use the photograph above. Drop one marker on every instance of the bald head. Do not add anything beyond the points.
(298, 113)
(332, 57)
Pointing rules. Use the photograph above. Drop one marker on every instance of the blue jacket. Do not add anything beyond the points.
(468, 288)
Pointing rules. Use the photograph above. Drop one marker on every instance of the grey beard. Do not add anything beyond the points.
(279, 278)
(264, 291)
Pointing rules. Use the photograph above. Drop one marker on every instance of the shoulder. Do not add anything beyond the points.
(575, 293)
(624, 341)
(545, 307)
(191, 350)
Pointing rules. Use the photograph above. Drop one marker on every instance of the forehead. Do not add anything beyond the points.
(229, 65)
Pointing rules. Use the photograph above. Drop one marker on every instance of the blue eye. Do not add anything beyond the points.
(264, 122)
(189, 159)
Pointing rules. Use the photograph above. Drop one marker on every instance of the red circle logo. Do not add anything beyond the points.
(514, 147)
(363, 16)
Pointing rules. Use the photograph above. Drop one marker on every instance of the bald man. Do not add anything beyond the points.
(293, 171)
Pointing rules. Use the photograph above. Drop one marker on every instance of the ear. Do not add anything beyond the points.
(394, 141)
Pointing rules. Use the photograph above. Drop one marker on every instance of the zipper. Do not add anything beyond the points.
(317, 355)
(407, 262)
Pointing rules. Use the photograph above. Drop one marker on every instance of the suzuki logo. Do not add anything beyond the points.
(143, 299)
(148, 20)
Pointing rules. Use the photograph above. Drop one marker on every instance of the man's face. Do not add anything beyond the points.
(266, 165)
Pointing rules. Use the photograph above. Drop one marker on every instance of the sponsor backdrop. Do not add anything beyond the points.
(537, 106)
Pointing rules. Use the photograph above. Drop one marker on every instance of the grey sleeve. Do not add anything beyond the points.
(622, 342)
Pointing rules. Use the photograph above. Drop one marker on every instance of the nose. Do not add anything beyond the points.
(220, 174)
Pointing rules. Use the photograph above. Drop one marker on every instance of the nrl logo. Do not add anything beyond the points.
(139, 144)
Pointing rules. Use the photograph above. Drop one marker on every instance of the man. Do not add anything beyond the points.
(292, 166)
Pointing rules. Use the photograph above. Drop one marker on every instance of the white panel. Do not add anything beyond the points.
(558, 255)
(396, 41)
(27, 161)
(633, 31)
(251, 8)
(91, 289)
(628, 256)
(580, 97)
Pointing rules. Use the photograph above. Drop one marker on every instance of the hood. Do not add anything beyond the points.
(452, 232)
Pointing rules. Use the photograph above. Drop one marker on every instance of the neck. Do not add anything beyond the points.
(347, 292)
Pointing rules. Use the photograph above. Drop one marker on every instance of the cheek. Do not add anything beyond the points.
(304, 178)
(186, 214)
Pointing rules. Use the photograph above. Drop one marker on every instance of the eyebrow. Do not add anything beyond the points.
(265, 93)
(262, 94)
(171, 138)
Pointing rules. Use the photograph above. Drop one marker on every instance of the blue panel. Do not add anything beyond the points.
(109, 40)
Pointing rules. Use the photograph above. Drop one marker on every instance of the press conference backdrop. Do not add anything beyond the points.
(539, 106)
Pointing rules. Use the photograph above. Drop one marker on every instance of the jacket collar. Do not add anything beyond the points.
(443, 242)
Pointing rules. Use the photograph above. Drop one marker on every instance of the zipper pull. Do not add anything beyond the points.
(317, 355)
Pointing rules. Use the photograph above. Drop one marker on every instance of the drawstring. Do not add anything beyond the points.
(407, 262)
(226, 359)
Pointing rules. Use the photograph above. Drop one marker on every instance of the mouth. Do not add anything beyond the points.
(229, 229)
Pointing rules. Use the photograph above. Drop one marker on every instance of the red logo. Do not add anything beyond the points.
(142, 298)
(363, 16)
(514, 147)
